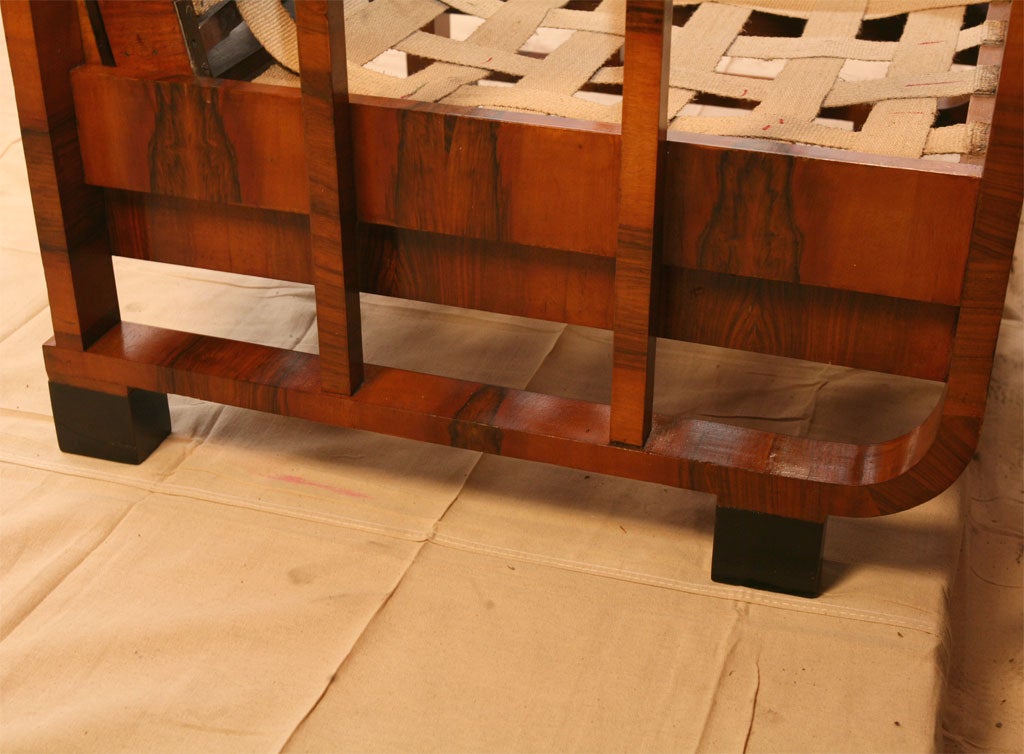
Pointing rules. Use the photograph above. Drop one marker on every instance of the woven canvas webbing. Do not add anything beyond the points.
(790, 88)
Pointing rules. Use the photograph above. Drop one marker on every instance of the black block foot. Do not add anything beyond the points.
(767, 552)
(113, 427)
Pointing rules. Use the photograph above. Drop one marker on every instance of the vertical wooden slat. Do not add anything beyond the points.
(145, 37)
(995, 229)
(332, 219)
(94, 33)
(648, 27)
(45, 43)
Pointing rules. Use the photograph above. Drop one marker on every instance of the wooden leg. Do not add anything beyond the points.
(124, 428)
(763, 551)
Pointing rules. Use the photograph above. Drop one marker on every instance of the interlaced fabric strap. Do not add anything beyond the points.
(542, 57)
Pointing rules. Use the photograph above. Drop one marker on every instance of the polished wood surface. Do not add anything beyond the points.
(452, 171)
(327, 130)
(145, 37)
(765, 316)
(44, 41)
(851, 226)
(996, 219)
(641, 171)
(525, 281)
(193, 138)
(806, 322)
(230, 238)
(905, 272)
(765, 471)
(516, 180)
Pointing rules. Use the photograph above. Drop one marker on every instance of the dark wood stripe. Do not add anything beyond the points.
(644, 97)
(332, 203)
(783, 319)
(44, 42)
(99, 32)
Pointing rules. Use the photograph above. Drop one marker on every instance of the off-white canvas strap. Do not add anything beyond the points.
(786, 88)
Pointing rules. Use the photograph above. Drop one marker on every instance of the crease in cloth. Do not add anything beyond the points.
(30, 608)
(3, 153)
(729, 716)
(201, 495)
(355, 644)
(428, 538)
(13, 329)
(732, 594)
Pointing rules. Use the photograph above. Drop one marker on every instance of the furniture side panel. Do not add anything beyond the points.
(862, 227)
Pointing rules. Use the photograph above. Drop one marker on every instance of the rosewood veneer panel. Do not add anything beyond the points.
(872, 227)
(453, 171)
(783, 319)
(220, 141)
(265, 243)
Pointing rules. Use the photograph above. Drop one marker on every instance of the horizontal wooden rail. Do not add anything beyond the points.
(809, 479)
(868, 225)
(764, 316)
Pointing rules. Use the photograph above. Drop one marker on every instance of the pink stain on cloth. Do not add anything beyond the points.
(310, 483)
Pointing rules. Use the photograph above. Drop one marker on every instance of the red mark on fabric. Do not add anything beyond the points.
(766, 128)
(489, 59)
(310, 483)
(744, 92)
(934, 42)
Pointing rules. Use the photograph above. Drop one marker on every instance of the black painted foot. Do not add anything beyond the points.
(767, 552)
(113, 427)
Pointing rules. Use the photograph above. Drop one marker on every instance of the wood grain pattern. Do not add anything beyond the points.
(524, 281)
(778, 474)
(229, 238)
(868, 228)
(224, 140)
(453, 171)
(44, 41)
(145, 37)
(95, 44)
(782, 319)
(752, 229)
(327, 131)
(186, 116)
(522, 184)
(749, 470)
(996, 221)
(644, 122)
(864, 331)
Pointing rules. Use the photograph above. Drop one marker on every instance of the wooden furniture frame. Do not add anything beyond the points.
(109, 102)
